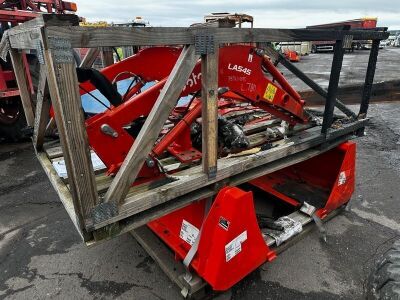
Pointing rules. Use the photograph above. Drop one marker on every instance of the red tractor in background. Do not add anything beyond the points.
(12, 13)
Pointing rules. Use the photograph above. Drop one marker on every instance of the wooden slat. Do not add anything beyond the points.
(190, 180)
(107, 56)
(103, 181)
(53, 152)
(21, 77)
(209, 95)
(27, 34)
(62, 192)
(65, 97)
(42, 109)
(144, 217)
(89, 58)
(167, 261)
(153, 125)
(23, 36)
(117, 36)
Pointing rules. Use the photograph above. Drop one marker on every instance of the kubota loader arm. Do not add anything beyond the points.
(244, 74)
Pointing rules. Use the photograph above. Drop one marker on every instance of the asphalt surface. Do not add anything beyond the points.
(42, 257)
(318, 66)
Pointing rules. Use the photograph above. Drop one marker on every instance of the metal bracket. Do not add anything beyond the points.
(212, 172)
(347, 41)
(62, 49)
(39, 52)
(4, 46)
(104, 211)
(204, 43)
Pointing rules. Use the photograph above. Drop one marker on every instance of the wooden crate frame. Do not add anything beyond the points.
(98, 216)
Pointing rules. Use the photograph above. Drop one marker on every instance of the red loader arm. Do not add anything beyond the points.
(244, 72)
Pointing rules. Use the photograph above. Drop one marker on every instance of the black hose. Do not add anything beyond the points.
(102, 83)
(116, 52)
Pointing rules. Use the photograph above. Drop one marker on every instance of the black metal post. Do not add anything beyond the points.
(312, 84)
(369, 79)
(337, 61)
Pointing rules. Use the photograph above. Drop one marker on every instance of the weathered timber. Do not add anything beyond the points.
(109, 37)
(142, 218)
(143, 144)
(209, 96)
(65, 97)
(42, 109)
(89, 58)
(27, 34)
(167, 261)
(22, 81)
(188, 181)
(107, 56)
(63, 193)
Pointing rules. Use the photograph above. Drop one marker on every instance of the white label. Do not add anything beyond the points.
(234, 247)
(342, 178)
(61, 169)
(188, 232)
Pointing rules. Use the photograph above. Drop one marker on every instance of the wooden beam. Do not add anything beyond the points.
(107, 56)
(22, 81)
(149, 215)
(63, 193)
(209, 95)
(167, 261)
(151, 129)
(90, 57)
(66, 101)
(27, 34)
(86, 37)
(42, 109)
(188, 182)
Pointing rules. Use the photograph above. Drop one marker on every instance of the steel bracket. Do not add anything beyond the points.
(62, 49)
(204, 43)
(347, 41)
(39, 52)
(104, 211)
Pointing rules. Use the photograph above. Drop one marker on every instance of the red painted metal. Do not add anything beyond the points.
(240, 70)
(177, 140)
(276, 74)
(233, 213)
(291, 55)
(331, 173)
(11, 14)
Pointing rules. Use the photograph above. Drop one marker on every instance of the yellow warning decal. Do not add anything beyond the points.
(270, 92)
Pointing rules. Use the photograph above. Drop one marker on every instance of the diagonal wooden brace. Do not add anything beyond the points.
(151, 129)
(42, 109)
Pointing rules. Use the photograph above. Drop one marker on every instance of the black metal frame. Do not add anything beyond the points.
(331, 94)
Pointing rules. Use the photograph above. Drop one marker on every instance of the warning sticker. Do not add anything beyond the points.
(270, 92)
(234, 247)
(188, 232)
(342, 178)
